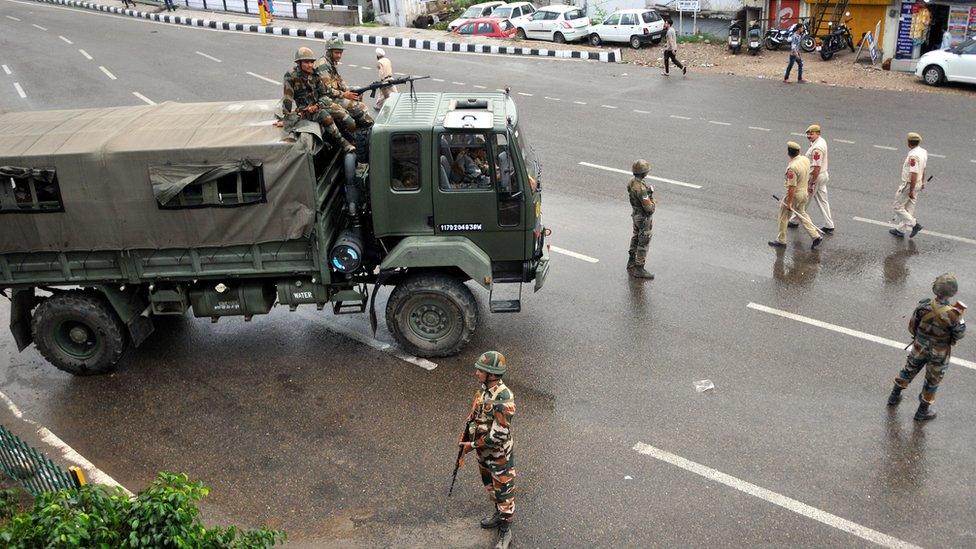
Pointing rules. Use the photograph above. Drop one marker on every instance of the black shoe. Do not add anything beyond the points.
(895, 397)
(915, 230)
(816, 242)
(792, 224)
(684, 70)
(504, 536)
(638, 271)
(776, 244)
(828, 230)
(897, 233)
(923, 413)
(491, 522)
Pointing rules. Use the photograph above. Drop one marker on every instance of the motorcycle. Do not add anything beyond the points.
(838, 39)
(755, 38)
(781, 37)
(735, 37)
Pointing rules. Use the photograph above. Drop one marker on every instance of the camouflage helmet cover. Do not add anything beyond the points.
(492, 362)
(945, 285)
(641, 167)
(304, 54)
(335, 43)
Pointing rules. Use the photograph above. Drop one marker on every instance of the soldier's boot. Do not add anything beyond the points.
(895, 397)
(492, 521)
(333, 131)
(638, 271)
(630, 261)
(504, 535)
(923, 413)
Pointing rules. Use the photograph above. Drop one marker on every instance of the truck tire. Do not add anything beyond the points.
(78, 332)
(432, 315)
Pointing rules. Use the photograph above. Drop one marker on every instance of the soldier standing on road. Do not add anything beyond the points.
(935, 326)
(795, 201)
(642, 208)
(671, 47)
(817, 187)
(490, 435)
(385, 69)
(912, 181)
(305, 97)
(347, 103)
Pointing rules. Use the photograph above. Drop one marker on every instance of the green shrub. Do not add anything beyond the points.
(165, 514)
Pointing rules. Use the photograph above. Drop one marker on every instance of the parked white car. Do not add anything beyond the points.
(476, 11)
(516, 12)
(557, 23)
(956, 64)
(638, 27)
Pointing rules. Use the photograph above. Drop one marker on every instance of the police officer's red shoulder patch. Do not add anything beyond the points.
(816, 155)
(911, 162)
(789, 174)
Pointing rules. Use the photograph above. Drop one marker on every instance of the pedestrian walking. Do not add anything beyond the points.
(795, 201)
(168, 4)
(489, 434)
(912, 182)
(817, 188)
(128, 3)
(935, 327)
(642, 207)
(385, 69)
(671, 48)
(795, 50)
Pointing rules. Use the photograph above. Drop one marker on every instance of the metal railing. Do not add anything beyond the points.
(32, 469)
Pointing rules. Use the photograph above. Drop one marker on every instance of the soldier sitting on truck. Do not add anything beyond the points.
(305, 97)
(472, 168)
(346, 103)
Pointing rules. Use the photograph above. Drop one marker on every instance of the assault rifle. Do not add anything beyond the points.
(388, 82)
(460, 458)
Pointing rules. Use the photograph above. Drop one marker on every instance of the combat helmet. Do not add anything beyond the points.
(492, 362)
(335, 43)
(641, 167)
(945, 285)
(304, 54)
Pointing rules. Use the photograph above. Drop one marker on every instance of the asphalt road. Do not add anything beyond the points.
(297, 426)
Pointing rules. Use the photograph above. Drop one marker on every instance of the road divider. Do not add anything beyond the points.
(923, 231)
(582, 257)
(654, 178)
(775, 498)
(848, 331)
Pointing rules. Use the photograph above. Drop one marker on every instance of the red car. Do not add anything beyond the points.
(492, 28)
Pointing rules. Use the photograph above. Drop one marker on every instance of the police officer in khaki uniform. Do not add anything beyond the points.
(795, 201)
(817, 187)
(642, 208)
(912, 181)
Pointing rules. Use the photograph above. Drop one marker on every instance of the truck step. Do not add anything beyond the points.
(506, 306)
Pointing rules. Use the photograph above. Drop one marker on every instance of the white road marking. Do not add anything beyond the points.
(525, 94)
(6, 69)
(107, 73)
(478, 86)
(264, 78)
(798, 134)
(973, 160)
(552, 98)
(642, 112)
(20, 91)
(350, 65)
(499, 90)
(144, 98)
(366, 68)
(923, 231)
(65, 39)
(933, 155)
(94, 474)
(719, 123)
(85, 53)
(370, 341)
(400, 73)
(38, 27)
(628, 172)
(459, 83)
(680, 117)
(884, 148)
(584, 102)
(12, 17)
(586, 258)
(775, 498)
(844, 141)
(608, 106)
(210, 57)
(759, 129)
(437, 79)
(847, 331)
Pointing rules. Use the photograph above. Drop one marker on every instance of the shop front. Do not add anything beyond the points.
(926, 26)
(866, 15)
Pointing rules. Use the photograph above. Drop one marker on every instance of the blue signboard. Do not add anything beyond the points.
(904, 46)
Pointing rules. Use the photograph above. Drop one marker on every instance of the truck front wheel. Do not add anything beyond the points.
(432, 315)
(78, 332)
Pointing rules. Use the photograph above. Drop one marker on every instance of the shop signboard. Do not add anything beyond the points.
(903, 46)
(958, 24)
(972, 22)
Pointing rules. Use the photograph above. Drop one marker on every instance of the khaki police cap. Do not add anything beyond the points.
(813, 128)
(913, 136)
(793, 146)
(304, 54)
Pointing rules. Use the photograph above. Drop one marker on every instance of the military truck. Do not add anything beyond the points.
(111, 218)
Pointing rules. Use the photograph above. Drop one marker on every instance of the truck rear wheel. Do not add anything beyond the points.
(432, 315)
(78, 332)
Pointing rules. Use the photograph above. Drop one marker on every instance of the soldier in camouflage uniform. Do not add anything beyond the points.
(305, 98)
(936, 326)
(489, 434)
(347, 106)
(642, 204)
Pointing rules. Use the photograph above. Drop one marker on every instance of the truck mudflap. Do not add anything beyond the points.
(21, 304)
(541, 271)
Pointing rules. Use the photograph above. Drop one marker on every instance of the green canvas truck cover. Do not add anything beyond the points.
(119, 171)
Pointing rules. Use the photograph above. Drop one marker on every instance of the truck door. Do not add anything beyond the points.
(479, 195)
(401, 185)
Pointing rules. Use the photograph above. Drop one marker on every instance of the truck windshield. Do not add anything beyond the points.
(532, 167)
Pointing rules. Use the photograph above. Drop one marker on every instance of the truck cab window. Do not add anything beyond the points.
(405, 162)
(464, 163)
(509, 189)
(28, 190)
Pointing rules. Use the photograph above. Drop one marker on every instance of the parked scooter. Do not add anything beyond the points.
(735, 37)
(781, 37)
(754, 39)
(838, 39)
